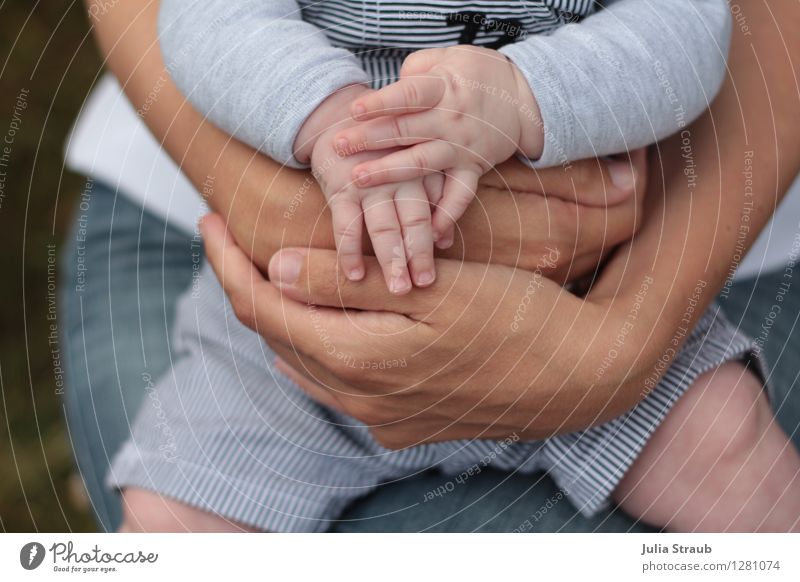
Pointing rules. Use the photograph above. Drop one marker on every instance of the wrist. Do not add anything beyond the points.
(330, 113)
(531, 128)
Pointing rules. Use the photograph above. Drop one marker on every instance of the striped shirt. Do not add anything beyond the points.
(382, 34)
(233, 436)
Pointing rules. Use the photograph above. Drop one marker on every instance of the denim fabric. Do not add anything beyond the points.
(119, 286)
(123, 272)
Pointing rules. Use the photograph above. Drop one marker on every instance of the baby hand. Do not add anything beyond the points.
(462, 110)
(397, 217)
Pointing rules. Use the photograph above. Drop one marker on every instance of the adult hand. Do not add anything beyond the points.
(456, 360)
(485, 352)
(519, 218)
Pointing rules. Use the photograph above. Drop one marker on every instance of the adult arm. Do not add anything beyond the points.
(267, 207)
(625, 77)
(703, 210)
(469, 372)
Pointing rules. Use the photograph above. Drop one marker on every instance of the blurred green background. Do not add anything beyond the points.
(47, 50)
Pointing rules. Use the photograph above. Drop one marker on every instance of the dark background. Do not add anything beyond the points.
(46, 48)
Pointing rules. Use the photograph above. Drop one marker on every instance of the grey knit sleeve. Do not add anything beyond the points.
(625, 77)
(253, 67)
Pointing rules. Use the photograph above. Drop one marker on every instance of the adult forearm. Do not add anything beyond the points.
(226, 171)
(722, 179)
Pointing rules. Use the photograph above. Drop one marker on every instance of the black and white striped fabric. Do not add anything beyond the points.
(225, 432)
(382, 33)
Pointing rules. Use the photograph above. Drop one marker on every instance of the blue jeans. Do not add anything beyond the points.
(119, 284)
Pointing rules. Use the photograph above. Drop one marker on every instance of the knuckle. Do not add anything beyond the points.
(377, 198)
(321, 278)
(471, 145)
(419, 159)
(344, 231)
(398, 127)
(457, 116)
(411, 94)
(323, 283)
(581, 174)
(416, 220)
(382, 228)
(375, 102)
(454, 84)
(414, 62)
(243, 310)
(358, 138)
(338, 201)
(409, 64)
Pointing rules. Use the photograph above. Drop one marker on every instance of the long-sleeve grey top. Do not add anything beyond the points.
(606, 81)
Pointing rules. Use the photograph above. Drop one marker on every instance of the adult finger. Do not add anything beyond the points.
(255, 301)
(407, 95)
(306, 382)
(621, 171)
(311, 276)
(593, 180)
(234, 269)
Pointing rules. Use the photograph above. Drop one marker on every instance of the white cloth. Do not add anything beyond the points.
(111, 143)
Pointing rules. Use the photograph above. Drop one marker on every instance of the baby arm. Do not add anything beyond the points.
(254, 68)
(625, 77)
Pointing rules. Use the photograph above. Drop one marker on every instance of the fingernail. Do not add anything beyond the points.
(358, 110)
(362, 178)
(621, 175)
(444, 243)
(399, 285)
(425, 278)
(342, 145)
(355, 274)
(284, 268)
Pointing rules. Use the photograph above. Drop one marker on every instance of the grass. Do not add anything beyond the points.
(47, 67)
